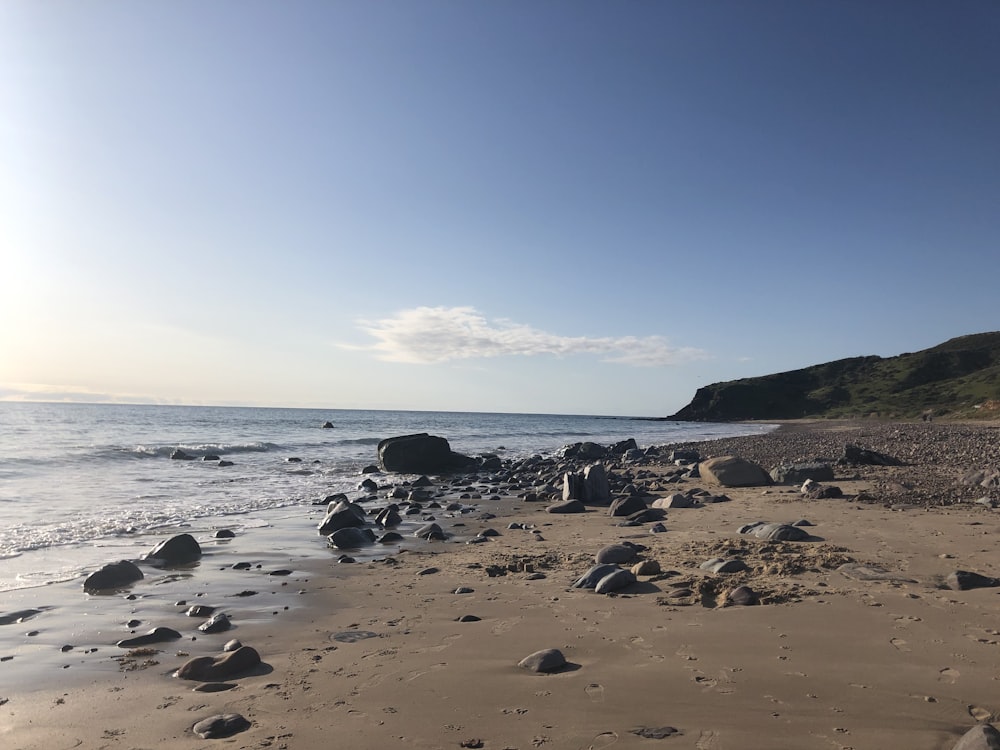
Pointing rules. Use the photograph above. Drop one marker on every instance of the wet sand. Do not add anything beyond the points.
(373, 654)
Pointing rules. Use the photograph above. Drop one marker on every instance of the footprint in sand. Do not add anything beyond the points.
(707, 741)
(980, 714)
(605, 739)
(595, 692)
(948, 674)
(686, 652)
(899, 644)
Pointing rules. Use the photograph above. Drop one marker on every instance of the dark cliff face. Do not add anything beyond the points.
(960, 377)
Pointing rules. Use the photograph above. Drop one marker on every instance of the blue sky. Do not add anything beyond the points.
(566, 207)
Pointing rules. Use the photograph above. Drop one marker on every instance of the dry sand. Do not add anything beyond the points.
(374, 656)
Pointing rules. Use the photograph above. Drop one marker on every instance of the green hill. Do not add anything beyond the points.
(957, 379)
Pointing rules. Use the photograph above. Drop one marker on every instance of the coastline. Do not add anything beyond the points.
(373, 653)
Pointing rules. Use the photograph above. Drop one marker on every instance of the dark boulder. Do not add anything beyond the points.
(343, 515)
(113, 576)
(179, 455)
(177, 550)
(963, 580)
(567, 506)
(420, 454)
(352, 538)
(627, 506)
(156, 635)
(855, 455)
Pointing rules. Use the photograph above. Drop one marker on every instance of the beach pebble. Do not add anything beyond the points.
(657, 528)
(224, 534)
(156, 635)
(232, 645)
(199, 610)
(463, 590)
(546, 660)
(469, 618)
(222, 725)
(775, 532)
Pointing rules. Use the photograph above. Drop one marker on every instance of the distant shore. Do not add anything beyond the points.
(375, 653)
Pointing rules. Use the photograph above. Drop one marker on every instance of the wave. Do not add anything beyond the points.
(198, 450)
(360, 441)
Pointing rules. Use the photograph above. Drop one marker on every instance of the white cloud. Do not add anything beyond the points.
(427, 335)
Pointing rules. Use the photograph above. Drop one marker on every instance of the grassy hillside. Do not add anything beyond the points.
(959, 378)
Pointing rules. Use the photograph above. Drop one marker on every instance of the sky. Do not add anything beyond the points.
(552, 206)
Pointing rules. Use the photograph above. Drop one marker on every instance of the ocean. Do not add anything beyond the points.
(85, 484)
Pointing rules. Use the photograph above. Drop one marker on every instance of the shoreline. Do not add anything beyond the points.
(834, 662)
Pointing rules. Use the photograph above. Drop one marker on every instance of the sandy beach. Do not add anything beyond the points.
(858, 642)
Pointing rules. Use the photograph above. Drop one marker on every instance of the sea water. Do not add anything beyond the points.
(86, 484)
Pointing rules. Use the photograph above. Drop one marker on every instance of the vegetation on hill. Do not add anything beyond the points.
(957, 379)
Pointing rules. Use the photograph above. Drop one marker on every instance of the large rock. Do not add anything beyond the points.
(818, 471)
(627, 506)
(221, 725)
(177, 550)
(414, 454)
(596, 488)
(352, 538)
(205, 668)
(980, 737)
(546, 660)
(343, 515)
(856, 455)
(113, 576)
(732, 471)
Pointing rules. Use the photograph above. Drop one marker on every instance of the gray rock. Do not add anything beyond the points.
(430, 532)
(615, 554)
(818, 471)
(722, 565)
(676, 500)
(615, 581)
(742, 596)
(980, 737)
(776, 532)
(546, 660)
(591, 578)
(217, 623)
(419, 454)
(732, 471)
(222, 725)
(627, 506)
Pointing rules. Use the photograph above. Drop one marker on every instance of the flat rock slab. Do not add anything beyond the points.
(866, 572)
(655, 733)
(156, 635)
(222, 725)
